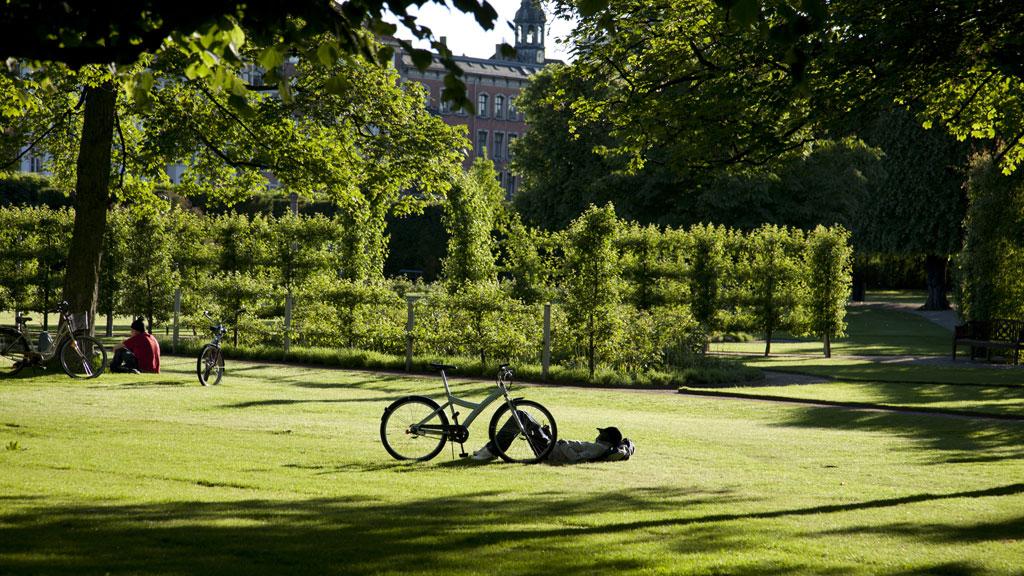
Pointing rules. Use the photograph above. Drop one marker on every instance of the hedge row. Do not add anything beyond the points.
(629, 299)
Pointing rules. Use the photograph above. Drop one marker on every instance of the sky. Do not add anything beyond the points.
(465, 37)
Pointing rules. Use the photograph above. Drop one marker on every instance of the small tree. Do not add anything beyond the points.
(707, 268)
(641, 253)
(18, 253)
(470, 218)
(829, 277)
(146, 276)
(592, 283)
(50, 238)
(775, 280)
(522, 259)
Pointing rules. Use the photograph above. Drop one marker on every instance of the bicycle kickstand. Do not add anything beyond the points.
(462, 444)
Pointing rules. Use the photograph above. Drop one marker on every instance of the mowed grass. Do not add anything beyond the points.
(871, 330)
(280, 471)
(933, 397)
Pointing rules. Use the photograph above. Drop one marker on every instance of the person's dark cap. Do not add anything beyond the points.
(138, 325)
(611, 435)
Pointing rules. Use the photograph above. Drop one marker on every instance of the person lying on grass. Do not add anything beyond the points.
(140, 353)
(609, 445)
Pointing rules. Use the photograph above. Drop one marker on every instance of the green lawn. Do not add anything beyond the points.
(280, 471)
(909, 370)
(871, 330)
(932, 397)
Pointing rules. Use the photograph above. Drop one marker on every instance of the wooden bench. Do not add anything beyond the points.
(996, 334)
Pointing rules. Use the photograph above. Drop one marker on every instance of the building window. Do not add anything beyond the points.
(481, 143)
(481, 105)
(499, 107)
(511, 188)
(499, 146)
(36, 164)
(511, 140)
(253, 76)
(512, 109)
(443, 105)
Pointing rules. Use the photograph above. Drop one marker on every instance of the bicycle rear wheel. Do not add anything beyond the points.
(508, 438)
(210, 366)
(13, 352)
(413, 428)
(83, 357)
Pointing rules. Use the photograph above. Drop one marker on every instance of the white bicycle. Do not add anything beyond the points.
(416, 427)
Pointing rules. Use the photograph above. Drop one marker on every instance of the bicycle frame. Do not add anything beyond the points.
(476, 409)
(218, 330)
(65, 330)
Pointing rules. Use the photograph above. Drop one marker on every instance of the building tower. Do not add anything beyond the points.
(529, 22)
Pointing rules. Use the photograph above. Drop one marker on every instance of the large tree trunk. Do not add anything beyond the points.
(92, 192)
(936, 269)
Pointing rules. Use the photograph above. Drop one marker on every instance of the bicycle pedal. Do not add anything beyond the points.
(463, 455)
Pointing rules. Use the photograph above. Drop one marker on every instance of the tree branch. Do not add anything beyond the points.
(224, 156)
(124, 149)
(58, 122)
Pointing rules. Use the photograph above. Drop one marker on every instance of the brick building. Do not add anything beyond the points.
(493, 85)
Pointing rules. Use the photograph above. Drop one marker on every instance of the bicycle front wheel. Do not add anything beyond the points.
(413, 428)
(13, 352)
(210, 366)
(83, 357)
(527, 441)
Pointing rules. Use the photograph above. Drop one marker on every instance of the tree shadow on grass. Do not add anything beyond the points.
(483, 532)
(154, 383)
(956, 439)
(292, 402)
(944, 533)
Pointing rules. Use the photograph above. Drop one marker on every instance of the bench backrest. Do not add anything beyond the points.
(995, 330)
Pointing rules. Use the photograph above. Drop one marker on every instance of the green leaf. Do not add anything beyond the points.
(382, 28)
(421, 58)
(284, 89)
(328, 53)
(241, 105)
(237, 36)
(238, 87)
(271, 57)
(338, 84)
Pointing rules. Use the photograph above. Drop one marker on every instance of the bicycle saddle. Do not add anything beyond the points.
(437, 366)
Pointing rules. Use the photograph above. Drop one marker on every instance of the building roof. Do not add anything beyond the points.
(482, 67)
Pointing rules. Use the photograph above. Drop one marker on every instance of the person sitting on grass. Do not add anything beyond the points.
(140, 353)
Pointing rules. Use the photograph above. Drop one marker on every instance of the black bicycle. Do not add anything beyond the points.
(210, 365)
(81, 356)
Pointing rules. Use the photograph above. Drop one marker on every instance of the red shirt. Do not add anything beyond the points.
(147, 350)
